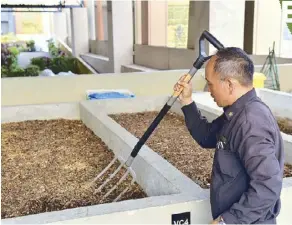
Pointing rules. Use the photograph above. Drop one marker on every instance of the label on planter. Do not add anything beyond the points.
(181, 218)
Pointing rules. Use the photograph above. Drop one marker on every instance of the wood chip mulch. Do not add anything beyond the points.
(285, 125)
(173, 142)
(49, 166)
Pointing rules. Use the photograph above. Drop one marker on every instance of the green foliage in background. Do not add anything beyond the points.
(64, 64)
(14, 51)
(53, 49)
(59, 61)
(32, 71)
(16, 71)
(57, 64)
(9, 60)
(31, 45)
(9, 64)
(41, 62)
(289, 16)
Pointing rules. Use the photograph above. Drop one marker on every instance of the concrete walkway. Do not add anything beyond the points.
(25, 57)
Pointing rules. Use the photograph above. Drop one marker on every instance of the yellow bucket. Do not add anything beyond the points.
(259, 80)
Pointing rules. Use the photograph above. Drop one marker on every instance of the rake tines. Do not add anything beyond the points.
(112, 175)
(105, 169)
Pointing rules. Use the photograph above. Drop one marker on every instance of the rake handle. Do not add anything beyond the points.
(150, 129)
(161, 114)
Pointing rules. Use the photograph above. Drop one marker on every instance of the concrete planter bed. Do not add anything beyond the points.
(51, 183)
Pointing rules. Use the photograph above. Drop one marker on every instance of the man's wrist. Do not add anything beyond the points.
(186, 101)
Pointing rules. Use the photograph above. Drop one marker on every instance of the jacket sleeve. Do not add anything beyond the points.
(257, 152)
(201, 130)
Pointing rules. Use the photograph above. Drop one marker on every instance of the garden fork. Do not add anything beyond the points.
(127, 164)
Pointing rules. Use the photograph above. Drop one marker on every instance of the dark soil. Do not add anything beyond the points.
(173, 142)
(285, 125)
(50, 165)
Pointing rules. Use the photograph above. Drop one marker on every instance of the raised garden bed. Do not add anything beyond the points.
(285, 125)
(50, 165)
(172, 141)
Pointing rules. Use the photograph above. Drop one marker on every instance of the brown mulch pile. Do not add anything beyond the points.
(50, 165)
(173, 142)
(288, 170)
(285, 125)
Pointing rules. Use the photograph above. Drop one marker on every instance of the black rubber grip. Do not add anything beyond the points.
(212, 40)
(200, 62)
(150, 129)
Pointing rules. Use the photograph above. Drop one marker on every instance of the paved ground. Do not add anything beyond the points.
(25, 57)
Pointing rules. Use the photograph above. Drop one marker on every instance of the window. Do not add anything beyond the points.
(177, 27)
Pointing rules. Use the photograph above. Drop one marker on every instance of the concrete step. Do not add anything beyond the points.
(136, 68)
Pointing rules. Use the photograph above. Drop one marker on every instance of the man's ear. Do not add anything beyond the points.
(231, 84)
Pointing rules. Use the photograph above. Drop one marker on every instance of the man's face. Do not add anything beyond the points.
(218, 88)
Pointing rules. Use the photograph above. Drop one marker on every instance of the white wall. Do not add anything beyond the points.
(80, 33)
(268, 28)
(223, 19)
(60, 25)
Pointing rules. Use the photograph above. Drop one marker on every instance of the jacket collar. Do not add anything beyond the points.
(239, 104)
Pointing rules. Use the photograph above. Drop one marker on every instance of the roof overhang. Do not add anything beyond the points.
(39, 5)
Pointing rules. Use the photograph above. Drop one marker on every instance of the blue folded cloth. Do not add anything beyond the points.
(107, 95)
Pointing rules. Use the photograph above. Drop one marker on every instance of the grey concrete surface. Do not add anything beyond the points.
(99, 63)
(24, 58)
(46, 111)
(279, 102)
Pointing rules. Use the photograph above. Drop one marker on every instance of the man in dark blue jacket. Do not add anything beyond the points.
(248, 164)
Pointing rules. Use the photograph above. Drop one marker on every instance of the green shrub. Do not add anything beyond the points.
(41, 62)
(14, 51)
(16, 72)
(53, 50)
(31, 45)
(32, 71)
(57, 64)
(8, 57)
(4, 71)
(64, 64)
(23, 49)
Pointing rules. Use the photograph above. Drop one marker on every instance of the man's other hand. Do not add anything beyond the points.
(214, 222)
